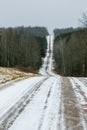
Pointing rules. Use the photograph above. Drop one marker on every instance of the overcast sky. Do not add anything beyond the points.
(49, 13)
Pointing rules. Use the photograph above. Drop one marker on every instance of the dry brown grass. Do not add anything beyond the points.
(8, 74)
(26, 69)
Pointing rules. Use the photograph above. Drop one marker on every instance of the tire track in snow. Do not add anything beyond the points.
(50, 116)
(83, 80)
(81, 87)
(72, 111)
(37, 109)
(9, 117)
(44, 108)
(81, 101)
(61, 119)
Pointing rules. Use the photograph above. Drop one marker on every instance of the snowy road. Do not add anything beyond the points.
(46, 102)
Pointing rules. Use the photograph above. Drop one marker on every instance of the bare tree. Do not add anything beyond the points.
(83, 20)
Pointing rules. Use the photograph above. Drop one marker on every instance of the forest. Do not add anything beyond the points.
(70, 51)
(22, 46)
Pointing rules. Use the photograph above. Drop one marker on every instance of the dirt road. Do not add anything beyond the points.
(45, 102)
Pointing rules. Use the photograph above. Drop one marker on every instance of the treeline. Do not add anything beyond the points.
(70, 53)
(59, 31)
(22, 46)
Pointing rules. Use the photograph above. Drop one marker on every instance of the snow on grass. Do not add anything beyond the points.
(4, 78)
(8, 74)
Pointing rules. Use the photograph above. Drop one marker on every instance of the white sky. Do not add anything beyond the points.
(49, 13)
